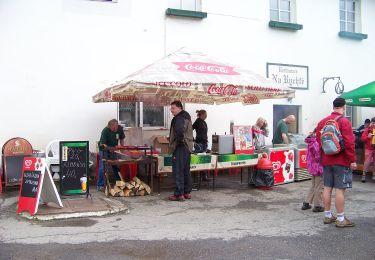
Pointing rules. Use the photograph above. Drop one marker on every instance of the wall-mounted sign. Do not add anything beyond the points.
(293, 76)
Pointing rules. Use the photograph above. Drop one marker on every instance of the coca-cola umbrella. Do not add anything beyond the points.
(193, 77)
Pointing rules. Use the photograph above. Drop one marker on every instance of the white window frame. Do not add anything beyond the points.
(350, 113)
(139, 117)
(179, 4)
(344, 18)
(291, 11)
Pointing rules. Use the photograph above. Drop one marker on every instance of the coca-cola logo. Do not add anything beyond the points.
(303, 158)
(207, 68)
(225, 90)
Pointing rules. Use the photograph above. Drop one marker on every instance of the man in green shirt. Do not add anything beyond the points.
(112, 135)
(280, 135)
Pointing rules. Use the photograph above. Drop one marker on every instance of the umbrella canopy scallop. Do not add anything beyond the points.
(193, 77)
(363, 96)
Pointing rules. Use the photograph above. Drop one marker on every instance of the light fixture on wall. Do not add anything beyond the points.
(339, 87)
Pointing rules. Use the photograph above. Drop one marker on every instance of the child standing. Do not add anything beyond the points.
(316, 170)
(367, 139)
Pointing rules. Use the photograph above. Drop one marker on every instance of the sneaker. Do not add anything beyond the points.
(330, 220)
(363, 178)
(187, 196)
(318, 209)
(100, 188)
(176, 198)
(306, 206)
(345, 223)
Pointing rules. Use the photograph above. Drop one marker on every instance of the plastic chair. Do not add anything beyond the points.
(53, 157)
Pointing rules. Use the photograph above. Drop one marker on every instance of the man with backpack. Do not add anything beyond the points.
(336, 139)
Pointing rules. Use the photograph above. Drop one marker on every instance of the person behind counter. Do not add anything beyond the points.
(200, 127)
(281, 134)
(111, 136)
(260, 131)
(367, 138)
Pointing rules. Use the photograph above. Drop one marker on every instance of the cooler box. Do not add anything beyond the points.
(222, 144)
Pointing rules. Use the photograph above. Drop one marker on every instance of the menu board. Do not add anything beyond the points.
(30, 183)
(74, 162)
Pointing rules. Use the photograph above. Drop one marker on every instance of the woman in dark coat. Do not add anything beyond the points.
(200, 127)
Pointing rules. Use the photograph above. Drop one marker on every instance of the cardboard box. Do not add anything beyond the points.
(161, 144)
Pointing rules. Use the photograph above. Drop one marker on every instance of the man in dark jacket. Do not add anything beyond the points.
(181, 146)
(337, 168)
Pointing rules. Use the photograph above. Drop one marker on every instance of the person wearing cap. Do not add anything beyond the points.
(367, 138)
(337, 168)
(359, 132)
(281, 134)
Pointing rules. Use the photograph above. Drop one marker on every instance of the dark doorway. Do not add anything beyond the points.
(282, 111)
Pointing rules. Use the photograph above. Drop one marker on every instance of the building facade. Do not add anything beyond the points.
(56, 54)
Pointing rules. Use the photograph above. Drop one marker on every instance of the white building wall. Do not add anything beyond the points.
(56, 54)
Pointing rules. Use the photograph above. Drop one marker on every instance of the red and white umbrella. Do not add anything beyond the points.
(193, 77)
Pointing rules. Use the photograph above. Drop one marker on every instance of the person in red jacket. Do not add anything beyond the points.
(367, 138)
(337, 168)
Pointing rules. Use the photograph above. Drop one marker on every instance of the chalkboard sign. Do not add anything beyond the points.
(13, 170)
(74, 163)
(36, 184)
(13, 152)
(30, 183)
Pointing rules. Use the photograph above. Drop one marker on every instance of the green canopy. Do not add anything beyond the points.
(363, 96)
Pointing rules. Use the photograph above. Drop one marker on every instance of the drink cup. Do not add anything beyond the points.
(83, 183)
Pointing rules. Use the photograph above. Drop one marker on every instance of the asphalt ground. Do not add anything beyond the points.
(233, 222)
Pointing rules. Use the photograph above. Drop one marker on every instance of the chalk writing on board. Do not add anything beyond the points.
(30, 183)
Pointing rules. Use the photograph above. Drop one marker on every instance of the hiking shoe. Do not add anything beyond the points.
(329, 220)
(306, 206)
(176, 198)
(363, 178)
(318, 209)
(187, 196)
(345, 223)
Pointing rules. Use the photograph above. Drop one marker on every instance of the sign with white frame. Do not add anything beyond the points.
(293, 76)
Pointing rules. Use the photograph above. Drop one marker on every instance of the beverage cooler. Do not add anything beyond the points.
(283, 162)
(300, 149)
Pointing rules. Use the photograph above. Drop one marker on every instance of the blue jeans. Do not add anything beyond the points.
(105, 154)
(181, 170)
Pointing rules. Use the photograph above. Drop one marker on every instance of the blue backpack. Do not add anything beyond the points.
(331, 139)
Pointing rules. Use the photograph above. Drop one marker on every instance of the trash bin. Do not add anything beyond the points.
(264, 174)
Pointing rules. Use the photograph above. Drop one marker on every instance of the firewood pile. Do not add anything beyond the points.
(135, 187)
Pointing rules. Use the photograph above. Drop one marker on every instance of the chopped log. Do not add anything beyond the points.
(117, 189)
(128, 185)
(147, 188)
(113, 192)
(120, 184)
(137, 180)
(141, 187)
(127, 193)
(141, 193)
(121, 193)
(106, 192)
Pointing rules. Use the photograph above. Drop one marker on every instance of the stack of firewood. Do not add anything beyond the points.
(135, 187)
